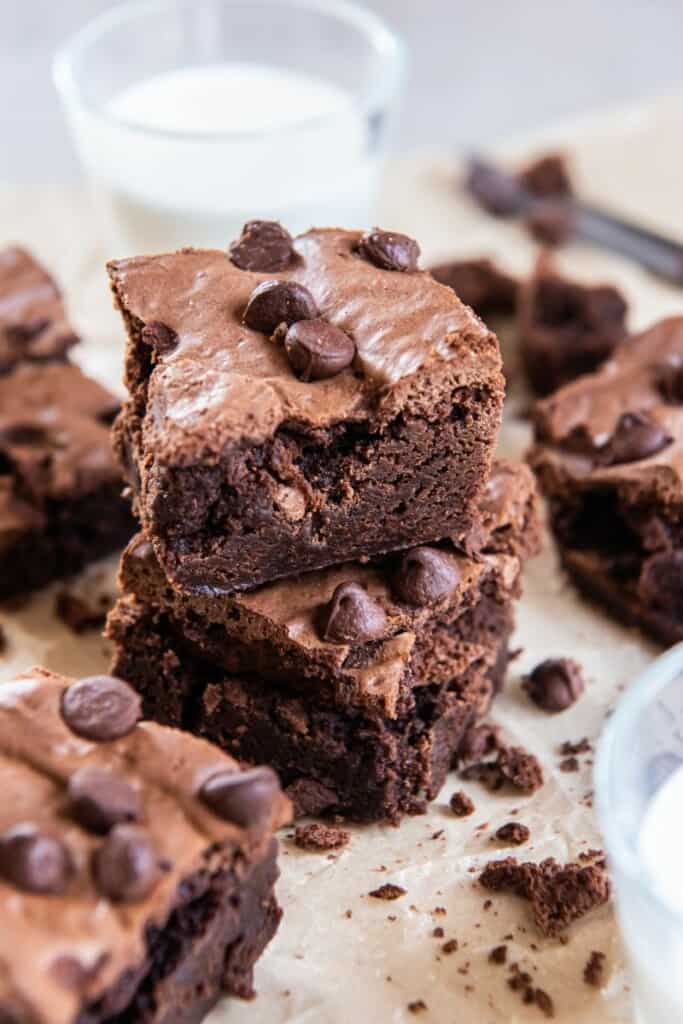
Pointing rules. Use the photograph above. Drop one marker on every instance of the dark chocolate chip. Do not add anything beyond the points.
(555, 684)
(275, 302)
(244, 798)
(98, 800)
(661, 583)
(390, 250)
(34, 861)
(669, 376)
(317, 350)
(159, 336)
(101, 708)
(637, 436)
(352, 616)
(125, 867)
(264, 246)
(425, 576)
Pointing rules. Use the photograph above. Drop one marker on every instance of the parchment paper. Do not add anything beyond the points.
(327, 965)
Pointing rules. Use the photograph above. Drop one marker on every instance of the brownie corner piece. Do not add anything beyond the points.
(136, 861)
(566, 328)
(33, 321)
(61, 503)
(608, 456)
(341, 406)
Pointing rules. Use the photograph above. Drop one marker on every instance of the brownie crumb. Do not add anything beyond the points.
(513, 832)
(418, 1006)
(450, 947)
(569, 764)
(478, 742)
(498, 955)
(77, 614)
(513, 766)
(544, 1003)
(388, 891)
(438, 933)
(583, 746)
(594, 971)
(461, 805)
(320, 837)
(559, 894)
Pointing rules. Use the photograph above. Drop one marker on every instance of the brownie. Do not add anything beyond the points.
(282, 630)
(61, 505)
(479, 283)
(33, 322)
(609, 457)
(565, 328)
(296, 403)
(363, 724)
(137, 863)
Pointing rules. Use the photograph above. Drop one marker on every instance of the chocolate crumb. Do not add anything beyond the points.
(498, 955)
(439, 910)
(320, 837)
(450, 947)
(479, 741)
(77, 614)
(488, 904)
(544, 1003)
(438, 933)
(461, 804)
(513, 766)
(513, 832)
(388, 891)
(582, 746)
(559, 894)
(569, 764)
(418, 1006)
(348, 913)
(437, 835)
(594, 971)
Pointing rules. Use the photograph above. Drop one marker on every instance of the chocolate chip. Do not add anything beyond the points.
(244, 798)
(555, 684)
(317, 350)
(34, 861)
(159, 336)
(425, 576)
(637, 436)
(125, 867)
(669, 377)
(264, 246)
(98, 800)
(352, 616)
(275, 302)
(661, 583)
(101, 708)
(390, 250)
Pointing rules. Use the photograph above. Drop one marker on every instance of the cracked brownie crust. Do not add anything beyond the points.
(241, 469)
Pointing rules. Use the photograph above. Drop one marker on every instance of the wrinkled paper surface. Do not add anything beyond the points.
(341, 956)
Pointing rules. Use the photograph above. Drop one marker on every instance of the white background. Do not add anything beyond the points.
(481, 70)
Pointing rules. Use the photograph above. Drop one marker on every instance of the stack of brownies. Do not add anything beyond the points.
(328, 560)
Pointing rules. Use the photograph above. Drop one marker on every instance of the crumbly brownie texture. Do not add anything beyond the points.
(60, 489)
(559, 893)
(609, 457)
(417, 601)
(136, 863)
(252, 451)
(565, 328)
(33, 323)
(330, 759)
(479, 283)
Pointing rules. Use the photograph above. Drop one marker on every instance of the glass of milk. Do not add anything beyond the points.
(192, 116)
(639, 790)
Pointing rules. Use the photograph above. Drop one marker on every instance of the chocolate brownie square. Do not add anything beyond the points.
(356, 682)
(608, 456)
(565, 328)
(33, 322)
(479, 283)
(297, 403)
(137, 863)
(61, 505)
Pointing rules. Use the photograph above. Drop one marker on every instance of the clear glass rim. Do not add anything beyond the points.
(630, 708)
(388, 45)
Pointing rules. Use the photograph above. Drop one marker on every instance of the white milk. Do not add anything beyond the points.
(185, 157)
(656, 942)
